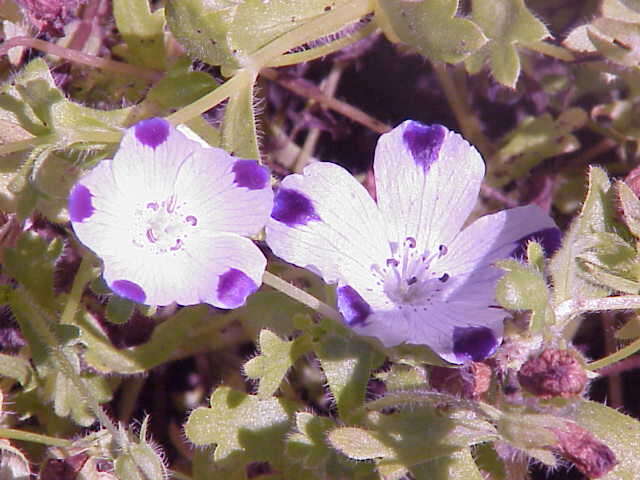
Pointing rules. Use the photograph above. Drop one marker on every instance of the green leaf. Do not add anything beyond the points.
(119, 310)
(347, 363)
(32, 263)
(459, 466)
(359, 444)
(15, 367)
(167, 337)
(139, 459)
(533, 141)
(630, 207)
(616, 430)
(568, 278)
(239, 135)
(524, 287)
(430, 27)
(507, 24)
(239, 422)
(275, 358)
(228, 33)
(143, 32)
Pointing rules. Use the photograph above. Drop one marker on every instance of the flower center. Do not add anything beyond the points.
(163, 225)
(408, 277)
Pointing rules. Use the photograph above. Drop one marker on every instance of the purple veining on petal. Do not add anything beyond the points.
(424, 142)
(130, 290)
(250, 174)
(152, 131)
(549, 238)
(473, 343)
(234, 286)
(293, 208)
(80, 204)
(353, 307)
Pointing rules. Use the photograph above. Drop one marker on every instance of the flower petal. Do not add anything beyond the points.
(470, 256)
(222, 270)
(326, 221)
(458, 332)
(225, 193)
(427, 182)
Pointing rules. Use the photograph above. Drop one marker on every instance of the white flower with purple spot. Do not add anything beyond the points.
(407, 271)
(168, 216)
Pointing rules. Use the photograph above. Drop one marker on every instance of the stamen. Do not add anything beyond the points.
(392, 262)
(151, 236)
(191, 220)
(412, 280)
(444, 278)
(152, 206)
(443, 250)
(410, 242)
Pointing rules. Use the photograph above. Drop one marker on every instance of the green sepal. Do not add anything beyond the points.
(630, 207)
(431, 28)
(119, 310)
(524, 287)
(596, 216)
(139, 459)
(459, 466)
(239, 134)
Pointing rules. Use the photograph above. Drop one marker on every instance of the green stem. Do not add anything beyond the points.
(615, 357)
(84, 275)
(467, 120)
(323, 50)
(301, 296)
(41, 326)
(14, 434)
(569, 309)
(210, 100)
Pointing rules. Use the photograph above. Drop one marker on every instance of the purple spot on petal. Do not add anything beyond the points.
(80, 204)
(424, 142)
(473, 343)
(353, 307)
(549, 238)
(130, 290)
(250, 174)
(293, 208)
(234, 286)
(152, 131)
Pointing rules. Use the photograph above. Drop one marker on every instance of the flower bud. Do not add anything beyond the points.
(553, 373)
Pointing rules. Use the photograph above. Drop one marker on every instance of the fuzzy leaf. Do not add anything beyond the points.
(533, 141)
(119, 310)
(596, 215)
(347, 363)
(308, 443)
(506, 23)
(228, 33)
(239, 135)
(13, 366)
(430, 27)
(523, 287)
(237, 421)
(142, 30)
(616, 430)
(358, 443)
(630, 208)
(459, 466)
(275, 358)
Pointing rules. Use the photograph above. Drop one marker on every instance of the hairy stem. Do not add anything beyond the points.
(301, 296)
(15, 434)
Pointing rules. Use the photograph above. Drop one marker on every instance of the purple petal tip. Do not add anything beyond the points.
(130, 290)
(293, 208)
(250, 174)
(353, 307)
(80, 203)
(234, 286)
(152, 131)
(473, 343)
(424, 142)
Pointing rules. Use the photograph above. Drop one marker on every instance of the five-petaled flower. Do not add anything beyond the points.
(407, 272)
(167, 216)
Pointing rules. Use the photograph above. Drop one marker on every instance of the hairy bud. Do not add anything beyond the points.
(470, 381)
(589, 455)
